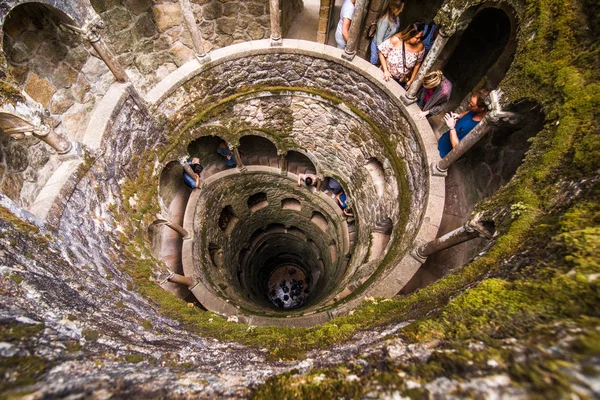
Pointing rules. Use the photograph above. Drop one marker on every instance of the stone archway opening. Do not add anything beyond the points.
(205, 148)
(53, 65)
(488, 166)
(257, 150)
(298, 163)
(476, 51)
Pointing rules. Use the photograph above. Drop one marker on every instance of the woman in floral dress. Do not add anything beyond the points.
(401, 55)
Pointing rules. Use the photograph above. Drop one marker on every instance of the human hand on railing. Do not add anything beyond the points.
(386, 75)
(450, 120)
(422, 114)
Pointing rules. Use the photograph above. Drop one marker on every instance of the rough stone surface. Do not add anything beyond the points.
(166, 16)
(39, 89)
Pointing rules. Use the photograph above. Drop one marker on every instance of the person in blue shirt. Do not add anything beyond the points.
(342, 202)
(461, 124)
(193, 182)
(223, 150)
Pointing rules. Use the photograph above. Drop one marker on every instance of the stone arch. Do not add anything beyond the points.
(299, 162)
(171, 184)
(53, 64)
(257, 201)
(319, 220)
(227, 219)
(488, 166)
(205, 148)
(291, 204)
(482, 52)
(258, 150)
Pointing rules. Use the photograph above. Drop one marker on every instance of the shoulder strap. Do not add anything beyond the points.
(403, 56)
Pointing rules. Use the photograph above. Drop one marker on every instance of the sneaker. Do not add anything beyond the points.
(326, 191)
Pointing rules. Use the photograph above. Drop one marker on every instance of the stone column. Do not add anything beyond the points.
(275, 23)
(176, 227)
(438, 45)
(58, 143)
(180, 279)
(238, 159)
(93, 36)
(42, 132)
(355, 29)
(283, 164)
(470, 230)
(91, 33)
(323, 24)
(190, 22)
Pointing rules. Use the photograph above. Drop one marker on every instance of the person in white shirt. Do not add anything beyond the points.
(343, 28)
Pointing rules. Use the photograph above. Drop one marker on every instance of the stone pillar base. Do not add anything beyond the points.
(74, 153)
(435, 171)
(276, 42)
(408, 100)
(348, 56)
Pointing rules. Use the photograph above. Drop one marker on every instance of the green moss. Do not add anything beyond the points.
(16, 278)
(120, 304)
(73, 347)
(21, 226)
(135, 358)
(16, 332)
(324, 384)
(147, 325)
(23, 371)
(10, 93)
(90, 335)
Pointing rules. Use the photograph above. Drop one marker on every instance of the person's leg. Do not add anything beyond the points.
(339, 39)
(189, 181)
(374, 52)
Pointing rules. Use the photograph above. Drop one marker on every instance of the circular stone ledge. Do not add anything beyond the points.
(387, 282)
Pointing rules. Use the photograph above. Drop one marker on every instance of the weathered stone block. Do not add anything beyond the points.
(77, 57)
(123, 41)
(39, 89)
(226, 25)
(230, 9)
(256, 31)
(61, 102)
(181, 54)
(256, 9)
(12, 185)
(117, 19)
(144, 26)
(64, 76)
(212, 11)
(103, 5)
(166, 16)
(138, 6)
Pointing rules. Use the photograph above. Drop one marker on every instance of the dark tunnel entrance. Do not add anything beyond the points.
(477, 49)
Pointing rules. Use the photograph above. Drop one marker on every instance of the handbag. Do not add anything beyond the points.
(406, 77)
(372, 30)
